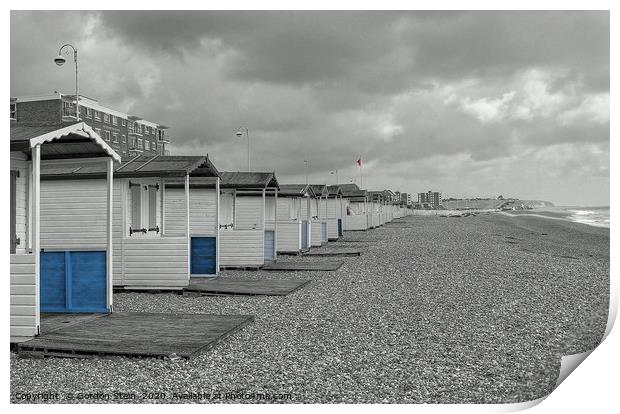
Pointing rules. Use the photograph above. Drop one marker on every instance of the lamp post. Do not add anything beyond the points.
(307, 167)
(240, 132)
(60, 60)
(336, 173)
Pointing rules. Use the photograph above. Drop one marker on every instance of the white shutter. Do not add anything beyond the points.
(293, 206)
(270, 208)
(152, 207)
(136, 206)
(226, 208)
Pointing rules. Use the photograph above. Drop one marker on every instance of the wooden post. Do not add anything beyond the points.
(109, 252)
(189, 239)
(36, 230)
(217, 225)
(162, 199)
(275, 226)
(263, 210)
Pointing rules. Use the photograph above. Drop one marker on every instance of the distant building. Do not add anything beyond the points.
(405, 199)
(430, 199)
(128, 135)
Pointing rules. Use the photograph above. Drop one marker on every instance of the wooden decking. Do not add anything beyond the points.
(354, 241)
(314, 265)
(131, 334)
(334, 252)
(233, 286)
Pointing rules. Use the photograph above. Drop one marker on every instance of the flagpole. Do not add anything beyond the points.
(361, 175)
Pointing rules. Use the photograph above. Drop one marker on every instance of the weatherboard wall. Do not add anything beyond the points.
(155, 260)
(19, 162)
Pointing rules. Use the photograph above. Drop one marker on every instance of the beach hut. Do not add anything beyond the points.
(355, 203)
(375, 202)
(248, 225)
(319, 212)
(165, 221)
(293, 226)
(335, 209)
(60, 237)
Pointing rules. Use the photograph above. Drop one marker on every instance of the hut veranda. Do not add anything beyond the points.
(293, 220)
(248, 225)
(61, 233)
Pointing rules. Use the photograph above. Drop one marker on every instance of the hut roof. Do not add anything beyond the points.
(352, 190)
(248, 180)
(334, 190)
(294, 190)
(60, 141)
(139, 166)
(319, 190)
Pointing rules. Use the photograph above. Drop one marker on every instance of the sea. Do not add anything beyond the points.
(592, 216)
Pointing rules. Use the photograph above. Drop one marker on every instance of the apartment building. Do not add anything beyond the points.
(129, 135)
(430, 199)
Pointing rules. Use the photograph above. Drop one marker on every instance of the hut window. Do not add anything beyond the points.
(293, 207)
(144, 208)
(314, 207)
(270, 208)
(227, 200)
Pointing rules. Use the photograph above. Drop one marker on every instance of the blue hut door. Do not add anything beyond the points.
(339, 227)
(304, 235)
(324, 232)
(269, 245)
(73, 281)
(203, 256)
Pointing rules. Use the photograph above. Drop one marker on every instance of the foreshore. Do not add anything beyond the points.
(476, 309)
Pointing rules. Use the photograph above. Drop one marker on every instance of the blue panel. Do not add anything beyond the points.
(88, 282)
(339, 227)
(203, 256)
(304, 234)
(52, 277)
(323, 231)
(269, 245)
(73, 281)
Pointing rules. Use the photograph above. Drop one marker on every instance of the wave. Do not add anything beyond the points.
(597, 216)
(592, 216)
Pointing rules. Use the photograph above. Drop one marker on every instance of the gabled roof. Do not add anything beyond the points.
(320, 190)
(294, 190)
(248, 180)
(167, 166)
(376, 195)
(60, 141)
(334, 190)
(140, 166)
(351, 191)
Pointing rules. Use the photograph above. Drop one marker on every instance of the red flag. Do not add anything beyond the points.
(359, 162)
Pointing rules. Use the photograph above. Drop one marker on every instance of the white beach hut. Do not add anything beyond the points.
(293, 225)
(248, 225)
(375, 202)
(319, 212)
(356, 207)
(60, 238)
(155, 200)
(335, 210)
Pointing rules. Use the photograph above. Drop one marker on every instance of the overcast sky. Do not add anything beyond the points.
(467, 103)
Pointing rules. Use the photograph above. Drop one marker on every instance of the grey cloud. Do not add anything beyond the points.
(319, 85)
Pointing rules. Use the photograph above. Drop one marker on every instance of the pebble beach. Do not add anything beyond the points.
(474, 309)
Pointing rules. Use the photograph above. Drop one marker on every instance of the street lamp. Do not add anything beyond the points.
(60, 60)
(335, 172)
(307, 165)
(240, 132)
